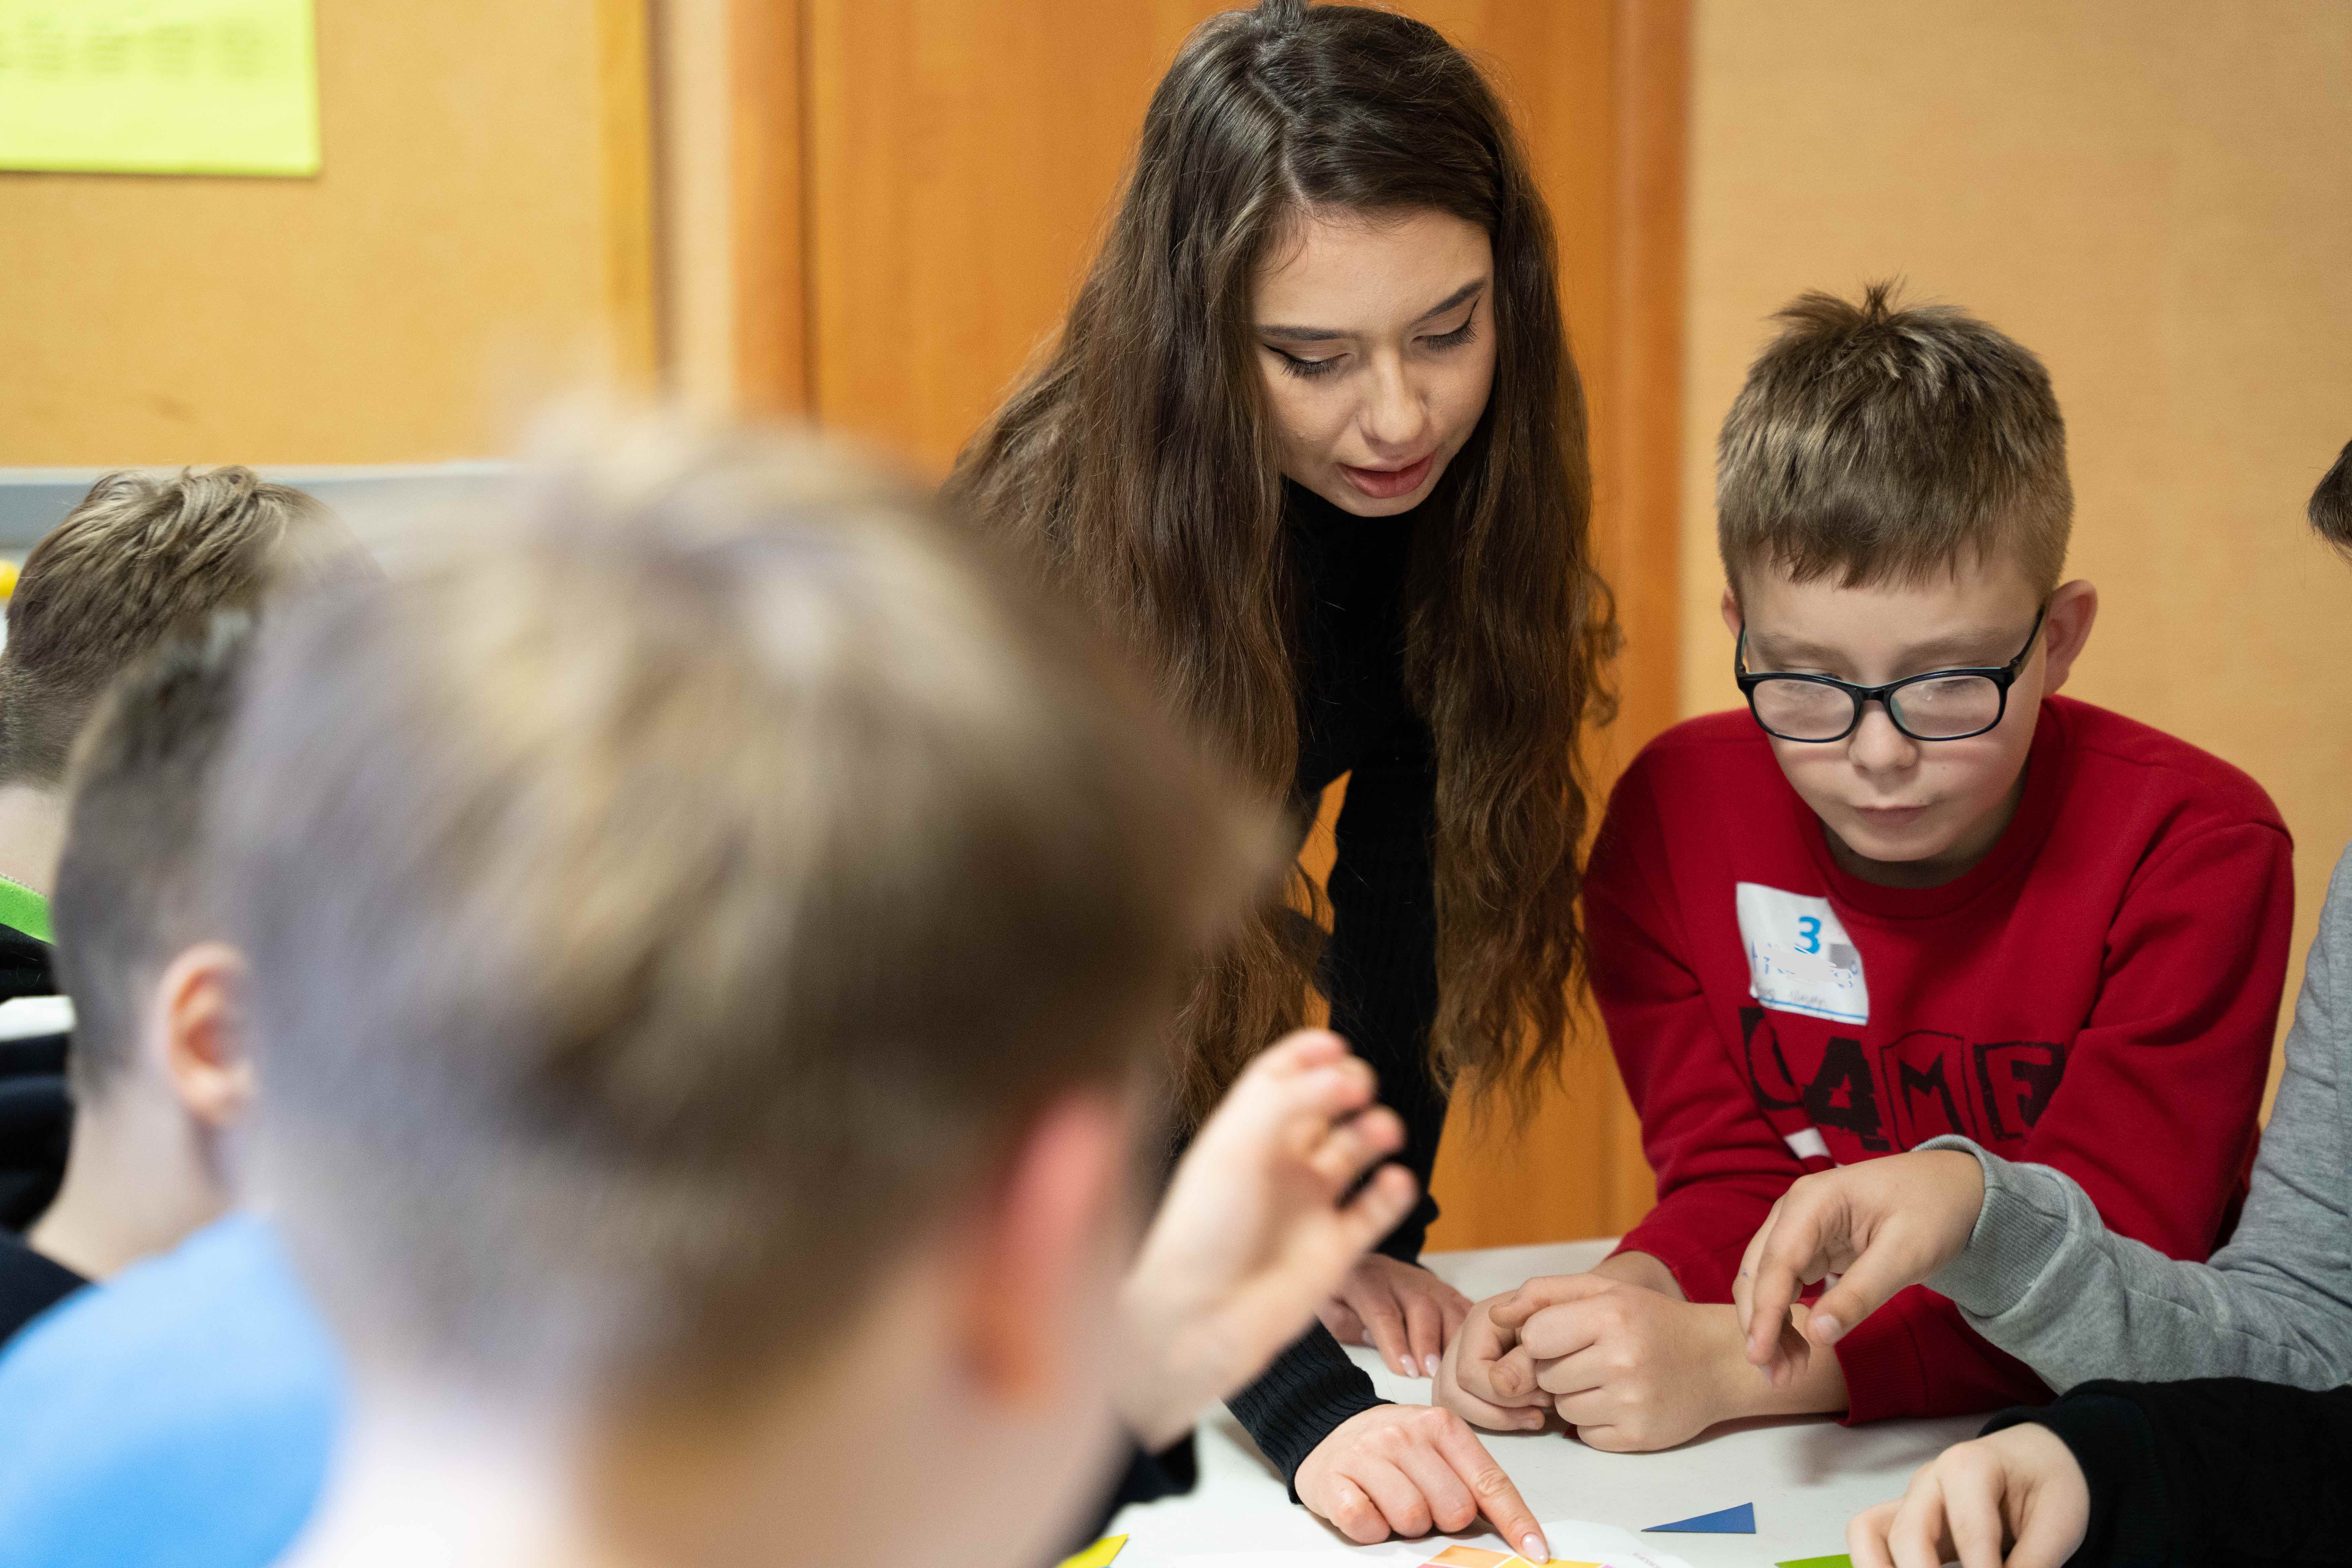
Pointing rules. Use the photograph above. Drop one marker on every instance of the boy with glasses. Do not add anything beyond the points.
(2208, 1413)
(1910, 892)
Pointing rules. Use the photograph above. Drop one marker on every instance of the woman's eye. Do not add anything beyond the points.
(1467, 332)
(1310, 368)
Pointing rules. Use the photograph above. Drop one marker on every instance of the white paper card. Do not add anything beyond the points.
(1800, 958)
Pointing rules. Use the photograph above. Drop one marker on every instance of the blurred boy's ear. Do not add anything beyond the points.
(1046, 1249)
(2073, 606)
(197, 1004)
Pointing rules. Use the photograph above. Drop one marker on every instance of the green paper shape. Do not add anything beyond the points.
(24, 910)
(1839, 1560)
(159, 87)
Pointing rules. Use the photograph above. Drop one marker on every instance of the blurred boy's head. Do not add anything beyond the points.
(141, 558)
(702, 937)
(158, 1075)
(1891, 501)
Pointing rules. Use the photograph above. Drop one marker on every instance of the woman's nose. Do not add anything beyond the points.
(1395, 416)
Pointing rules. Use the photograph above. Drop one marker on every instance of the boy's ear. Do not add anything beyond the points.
(2067, 626)
(199, 1002)
(1041, 1267)
(1732, 619)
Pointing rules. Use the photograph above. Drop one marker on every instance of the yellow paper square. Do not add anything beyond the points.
(159, 87)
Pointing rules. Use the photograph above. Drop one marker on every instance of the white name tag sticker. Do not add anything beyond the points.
(1800, 959)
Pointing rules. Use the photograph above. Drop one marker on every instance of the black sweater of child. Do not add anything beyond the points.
(30, 1285)
(1380, 967)
(2216, 1472)
(35, 1112)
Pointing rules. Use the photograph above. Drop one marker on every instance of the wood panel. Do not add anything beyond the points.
(961, 155)
(769, 195)
(480, 235)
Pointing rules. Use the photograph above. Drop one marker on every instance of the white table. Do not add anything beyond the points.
(1806, 1477)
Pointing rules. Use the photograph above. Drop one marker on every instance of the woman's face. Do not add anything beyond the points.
(1376, 338)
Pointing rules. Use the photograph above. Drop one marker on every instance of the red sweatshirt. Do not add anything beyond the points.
(2099, 995)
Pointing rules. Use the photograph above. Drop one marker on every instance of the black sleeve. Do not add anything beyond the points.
(1309, 1389)
(36, 1127)
(30, 1284)
(1379, 968)
(2220, 1470)
(1149, 1477)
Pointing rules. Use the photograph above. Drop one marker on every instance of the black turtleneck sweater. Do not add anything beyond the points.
(2213, 1473)
(1380, 967)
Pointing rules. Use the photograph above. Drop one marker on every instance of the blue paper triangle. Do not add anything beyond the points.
(1740, 1521)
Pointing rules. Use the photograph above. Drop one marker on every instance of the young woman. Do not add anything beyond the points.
(1312, 444)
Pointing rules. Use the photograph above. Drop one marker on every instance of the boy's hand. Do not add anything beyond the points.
(1632, 1370)
(1251, 1235)
(1404, 1311)
(1882, 1226)
(2016, 1498)
(1465, 1377)
(1408, 1469)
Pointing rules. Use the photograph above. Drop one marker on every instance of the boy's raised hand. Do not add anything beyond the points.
(1251, 1236)
(2016, 1499)
(1881, 1225)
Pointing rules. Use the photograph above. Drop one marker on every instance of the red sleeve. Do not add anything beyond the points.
(2155, 1115)
(1720, 1167)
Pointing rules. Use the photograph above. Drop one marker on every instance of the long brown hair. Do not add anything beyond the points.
(1137, 459)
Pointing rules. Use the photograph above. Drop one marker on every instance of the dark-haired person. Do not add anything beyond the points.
(141, 558)
(1312, 443)
(2166, 1447)
(1910, 891)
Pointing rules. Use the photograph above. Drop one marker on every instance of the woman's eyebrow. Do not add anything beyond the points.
(1461, 295)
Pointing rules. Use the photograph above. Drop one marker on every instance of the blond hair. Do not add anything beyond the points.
(662, 903)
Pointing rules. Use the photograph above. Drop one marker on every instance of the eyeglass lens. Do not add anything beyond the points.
(1944, 708)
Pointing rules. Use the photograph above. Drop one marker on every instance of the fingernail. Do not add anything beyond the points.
(1533, 1550)
(1826, 1329)
(1433, 1363)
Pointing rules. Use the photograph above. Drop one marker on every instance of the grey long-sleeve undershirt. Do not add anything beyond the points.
(2044, 1279)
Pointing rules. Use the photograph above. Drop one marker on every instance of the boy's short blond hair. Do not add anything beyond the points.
(141, 558)
(1878, 443)
(130, 886)
(663, 905)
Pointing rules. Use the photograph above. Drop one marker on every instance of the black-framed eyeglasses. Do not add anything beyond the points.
(1940, 705)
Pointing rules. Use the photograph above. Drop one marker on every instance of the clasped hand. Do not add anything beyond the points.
(1631, 1368)
(1621, 1357)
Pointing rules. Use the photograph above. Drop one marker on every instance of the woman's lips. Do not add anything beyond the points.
(1387, 484)
(1886, 817)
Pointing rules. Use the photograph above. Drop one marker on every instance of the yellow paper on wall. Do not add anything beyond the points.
(159, 87)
